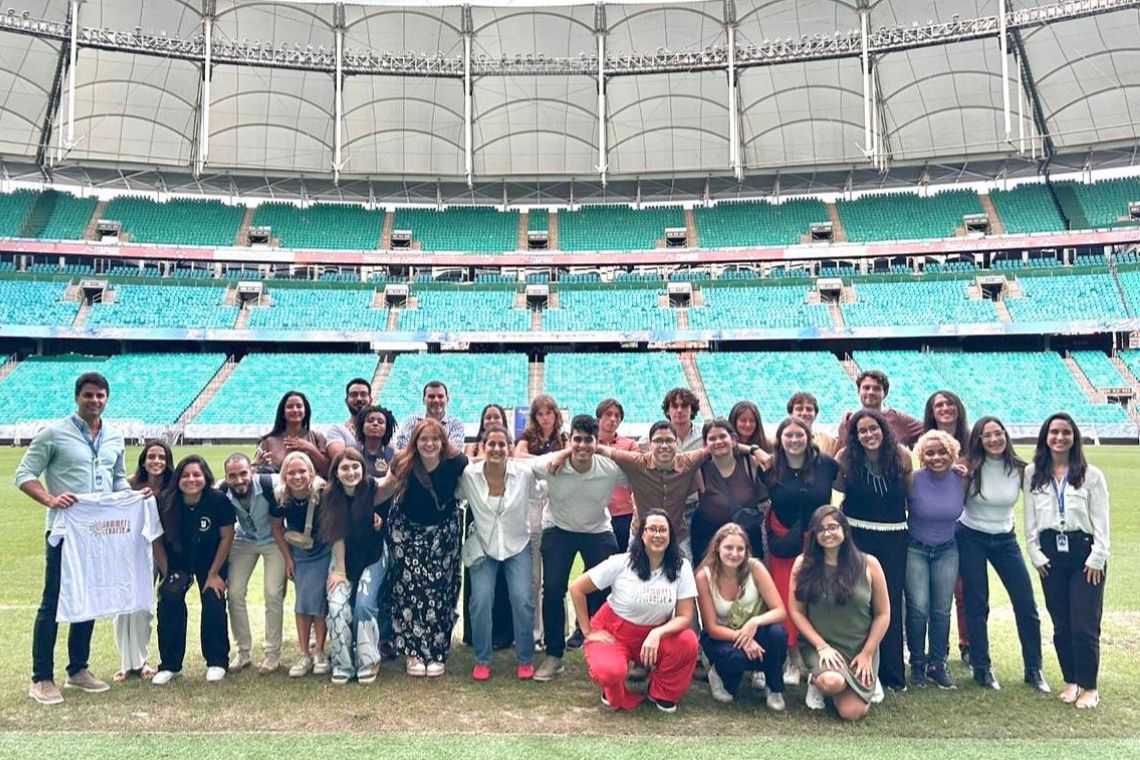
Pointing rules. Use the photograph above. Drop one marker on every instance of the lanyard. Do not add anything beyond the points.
(1059, 493)
(95, 444)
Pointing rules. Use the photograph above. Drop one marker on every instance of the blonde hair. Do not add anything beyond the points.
(942, 438)
(316, 486)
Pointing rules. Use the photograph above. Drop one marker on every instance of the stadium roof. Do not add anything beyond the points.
(533, 125)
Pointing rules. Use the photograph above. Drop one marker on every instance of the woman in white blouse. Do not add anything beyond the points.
(1066, 529)
(497, 491)
(647, 618)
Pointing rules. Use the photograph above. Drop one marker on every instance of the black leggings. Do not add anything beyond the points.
(889, 547)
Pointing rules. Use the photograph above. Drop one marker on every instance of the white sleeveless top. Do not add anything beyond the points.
(723, 606)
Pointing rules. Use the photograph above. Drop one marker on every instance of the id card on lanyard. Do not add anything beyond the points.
(94, 444)
(1059, 494)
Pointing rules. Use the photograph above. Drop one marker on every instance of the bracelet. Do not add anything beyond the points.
(753, 449)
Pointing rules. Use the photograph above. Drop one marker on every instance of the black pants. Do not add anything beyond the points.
(976, 551)
(214, 631)
(559, 548)
(1076, 607)
(621, 525)
(889, 547)
(46, 629)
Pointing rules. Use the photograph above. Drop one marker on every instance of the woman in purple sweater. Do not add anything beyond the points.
(936, 497)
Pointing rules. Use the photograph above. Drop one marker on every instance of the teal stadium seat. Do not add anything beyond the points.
(1067, 298)
(916, 303)
(328, 225)
(473, 381)
(319, 309)
(1099, 369)
(60, 216)
(639, 380)
(36, 303)
(735, 224)
(1026, 209)
(482, 310)
(622, 310)
(14, 210)
(1130, 284)
(178, 221)
(906, 216)
(164, 306)
(757, 307)
(461, 230)
(616, 228)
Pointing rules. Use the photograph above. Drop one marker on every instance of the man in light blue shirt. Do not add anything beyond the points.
(79, 454)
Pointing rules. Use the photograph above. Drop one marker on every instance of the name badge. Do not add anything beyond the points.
(1062, 543)
(98, 480)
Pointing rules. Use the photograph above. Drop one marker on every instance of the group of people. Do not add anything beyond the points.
(714, 548)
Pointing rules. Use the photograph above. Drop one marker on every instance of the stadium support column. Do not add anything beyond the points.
(338, 95)
(1004, 43)
(864, 31)
(207, 76)
(734, 161)
(72, 56)
(468, 127)
(600, 35)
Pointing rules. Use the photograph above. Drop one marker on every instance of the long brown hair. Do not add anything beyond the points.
(780, 467)
(341, 513)
(1043, 458)
(535, 439)
(712, 555)
(812, 583)
(409, 456)
(758, 437)
(171, 502)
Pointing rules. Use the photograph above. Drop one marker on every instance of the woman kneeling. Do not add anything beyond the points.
(647, 618)
(841, 609)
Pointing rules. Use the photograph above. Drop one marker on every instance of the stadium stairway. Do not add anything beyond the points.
(39, 215)
(535, 378)
(522, 240)
(696, 382)
(242, 238)
(92, 223)
(1093, 395)
(836, 315)
(1071, 204)
(383, 370)
(850, 367)
(1134, 382)
(997, 227)
(682, 319)
(692, 240)
(1002, 311)
(207, 394)
(8, 367)
(838, 234)
(386, 234)
(552, 232)
(81, 315)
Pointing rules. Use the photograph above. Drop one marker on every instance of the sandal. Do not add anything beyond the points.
(1088, 701)
(1068, 697)
(121, 676)
(147, 672)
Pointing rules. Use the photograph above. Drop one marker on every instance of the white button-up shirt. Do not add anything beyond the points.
(500, 521)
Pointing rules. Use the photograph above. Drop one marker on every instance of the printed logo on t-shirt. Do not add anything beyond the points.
(204, 523)
(658, 595)
(109, 527)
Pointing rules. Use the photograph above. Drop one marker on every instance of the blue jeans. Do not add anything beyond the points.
(354, 623)
(519, 572)
(976, 550)
(731, 663)
(931, 572)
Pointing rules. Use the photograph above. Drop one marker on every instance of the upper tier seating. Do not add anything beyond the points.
(1043, 385)
(159, 306)
(1067, 298)
(756, 307)
(148, 388)
(318, 309)
(623, 310)
(727, 225)
(1027, 208)
(906, 216)
(64, 217)
(251, 394)
(1130, 284)
(14, 208)
(177, 221)
(916, 303)
(1099, 369)
(616, 228)
(639, 380)
(473, 381)
(1105, 202)
(463, 311)
(538, 220)
(35, 303)
(464, 230)
(328, 225)
(769, 379)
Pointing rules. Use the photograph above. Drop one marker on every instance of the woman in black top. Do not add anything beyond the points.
(374, 427)
(426, 539)
(729, 484)
(873, 478)
(351, 523)
(198, 530)
(799, 482)
(543, 433)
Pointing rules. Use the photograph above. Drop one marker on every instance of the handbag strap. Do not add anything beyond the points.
(310, 512)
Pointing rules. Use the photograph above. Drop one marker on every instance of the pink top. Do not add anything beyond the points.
(621, 503)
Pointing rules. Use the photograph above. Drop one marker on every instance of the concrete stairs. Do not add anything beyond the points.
(698, 298)
(9, 367)
(523, 240)
(682, 319)
(386, 235)
(1002, 311)
(383, 370)
(207, 395)
(1013, 288)
(393, 319)
(520, 299)
(850, 367)
(242, 239)
(696, 382)
(242, 321)
(996, 225)
(1093, 395)
(1126, 372)
(838, 234)
(378, 301)
(536, 321)
(552, 232)
(837, 319)
(552, 301)
(535, 379)
(691, 239)
(39, 214)
(81, 315)
(92, 223)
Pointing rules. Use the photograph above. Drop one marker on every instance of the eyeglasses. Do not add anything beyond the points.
(655, 530)
(829, 529)
(664, 441)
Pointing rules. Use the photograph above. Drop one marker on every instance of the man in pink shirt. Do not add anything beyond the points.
(610, 414)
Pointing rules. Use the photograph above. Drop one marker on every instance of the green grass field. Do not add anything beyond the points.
(254, 716)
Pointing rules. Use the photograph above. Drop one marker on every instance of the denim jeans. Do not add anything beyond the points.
(731, 663)
(354, 620)
(977, 550)
(484, 577)
(931, 572)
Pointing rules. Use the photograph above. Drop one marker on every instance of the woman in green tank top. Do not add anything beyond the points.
(840, 606)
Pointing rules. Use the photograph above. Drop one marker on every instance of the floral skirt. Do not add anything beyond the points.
(424, 586)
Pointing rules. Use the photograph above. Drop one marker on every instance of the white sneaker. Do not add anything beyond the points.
(435, 669)
(759, 681)
(302, 667)
(320, 664)
(716, 686)
(878, 695)
(814, 698)
(792, 674)
(215, 674)
(775, 701)
(163, 677)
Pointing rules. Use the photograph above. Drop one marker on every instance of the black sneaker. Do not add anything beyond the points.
(965, 652)
(985, 678)
(664, 705)
(1037, 681)
(576, 640)
(941, 679)
(605, 701)
(918, 676)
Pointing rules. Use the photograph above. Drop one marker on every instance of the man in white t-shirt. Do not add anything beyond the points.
(357, 396)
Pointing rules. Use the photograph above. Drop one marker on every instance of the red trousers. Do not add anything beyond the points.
(609, 663)
(781, 570)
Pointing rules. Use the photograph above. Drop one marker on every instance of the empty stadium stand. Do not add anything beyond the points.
(491, 310)
(178, 221)
(295, 308)
(473, 380)
(1050, 298)
(727, 224)
(620, 309)
(332, 226)
(755, 307)
(469, 230)
(616, 228)
(579, 381)
(906, 216)
(916, 303)
(159, 306)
